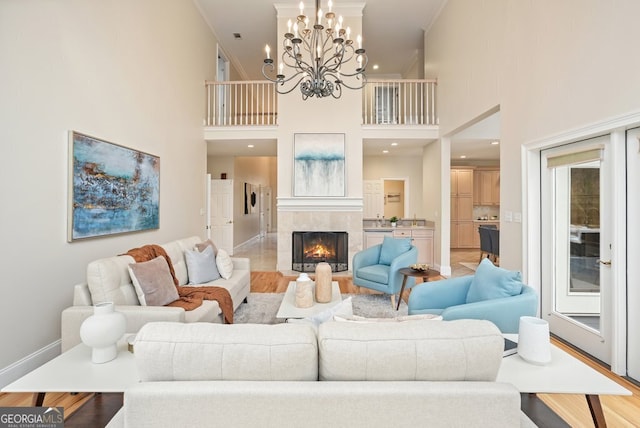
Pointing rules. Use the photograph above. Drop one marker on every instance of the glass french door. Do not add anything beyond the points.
(576, 183)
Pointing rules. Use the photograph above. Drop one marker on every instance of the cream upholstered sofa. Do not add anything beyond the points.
(355, 374)
(108, 279)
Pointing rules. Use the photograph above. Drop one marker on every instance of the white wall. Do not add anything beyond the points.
(399, 167)
(550, 66)
(128, 72)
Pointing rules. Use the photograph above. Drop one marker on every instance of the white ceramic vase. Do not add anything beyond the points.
(101, 332)
(534, 344)
(304, 291)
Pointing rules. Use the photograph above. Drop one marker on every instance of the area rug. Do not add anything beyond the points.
(261, 308)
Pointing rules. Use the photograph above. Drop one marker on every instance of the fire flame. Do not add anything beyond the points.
(318, 251)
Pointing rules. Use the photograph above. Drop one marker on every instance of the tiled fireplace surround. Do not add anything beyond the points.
(317, 214)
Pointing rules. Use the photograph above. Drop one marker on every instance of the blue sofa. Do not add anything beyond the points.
(493, 294)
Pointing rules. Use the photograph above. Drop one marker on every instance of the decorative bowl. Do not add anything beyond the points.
(419, 267)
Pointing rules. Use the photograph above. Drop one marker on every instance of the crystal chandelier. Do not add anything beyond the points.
(316, 55)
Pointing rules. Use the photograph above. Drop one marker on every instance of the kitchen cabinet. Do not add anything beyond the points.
(422, 239)
(461, 182)
(375, 238)
(486, 187)
(462, 201)
(462, 234)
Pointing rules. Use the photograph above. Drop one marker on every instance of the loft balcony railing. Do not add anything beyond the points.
(241, 103)
(384, 102)
(399, 102)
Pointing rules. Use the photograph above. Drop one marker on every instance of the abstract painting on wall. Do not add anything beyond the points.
(113, 189)
(319, 165)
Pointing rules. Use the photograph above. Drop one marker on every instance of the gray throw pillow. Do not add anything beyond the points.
(201, 266)
(153, 282)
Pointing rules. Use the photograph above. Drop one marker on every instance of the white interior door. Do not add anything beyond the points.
(576, 189)
(221, 210)
(633, 248)
(373, 198)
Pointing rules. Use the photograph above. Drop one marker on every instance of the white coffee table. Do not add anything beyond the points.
(563, 375)
(73, 371)
(288, 308)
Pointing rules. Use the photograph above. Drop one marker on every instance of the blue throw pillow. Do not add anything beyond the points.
(392, 248)
(492, 282)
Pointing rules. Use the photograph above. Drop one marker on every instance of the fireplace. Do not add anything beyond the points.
(311, 248)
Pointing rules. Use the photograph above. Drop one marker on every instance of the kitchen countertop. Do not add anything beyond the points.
(391, 229)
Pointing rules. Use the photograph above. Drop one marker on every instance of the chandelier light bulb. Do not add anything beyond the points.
(289, 26)
(330, 6)
(268, 51)
(359, 41)
(301, 8)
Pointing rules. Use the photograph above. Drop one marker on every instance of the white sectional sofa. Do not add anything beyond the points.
(108, 279)
(355, 374)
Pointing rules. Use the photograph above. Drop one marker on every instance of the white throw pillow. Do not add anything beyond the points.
(201, 266)
(153, 282)
(224, 263)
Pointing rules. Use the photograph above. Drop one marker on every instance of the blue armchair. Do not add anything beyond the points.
(492, 294)
(377, 267)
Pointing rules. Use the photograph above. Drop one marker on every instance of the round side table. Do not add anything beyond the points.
(407, 272)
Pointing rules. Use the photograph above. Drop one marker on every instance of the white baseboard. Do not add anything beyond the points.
(29, 363)
(247, 242)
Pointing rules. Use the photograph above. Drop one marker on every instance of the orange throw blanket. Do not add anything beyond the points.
(190, 297)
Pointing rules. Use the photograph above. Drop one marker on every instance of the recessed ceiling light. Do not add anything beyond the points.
(385, 151)
(237, 36)
(251, 146)
(375, 66)
(463, 156)
(495, 143)
(394, 144)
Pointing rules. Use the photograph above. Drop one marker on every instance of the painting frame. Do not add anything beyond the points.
(319, 165)
(250, 198)
(113, 189)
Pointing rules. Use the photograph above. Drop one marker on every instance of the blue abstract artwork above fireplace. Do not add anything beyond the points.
(319, 165)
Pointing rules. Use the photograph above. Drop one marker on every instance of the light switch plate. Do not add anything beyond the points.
(508, 216)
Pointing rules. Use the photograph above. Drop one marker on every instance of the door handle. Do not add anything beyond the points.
(606, 263)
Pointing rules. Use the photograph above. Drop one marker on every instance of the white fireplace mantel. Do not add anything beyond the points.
(320, 204)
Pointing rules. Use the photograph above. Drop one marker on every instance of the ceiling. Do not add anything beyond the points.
(393, 35)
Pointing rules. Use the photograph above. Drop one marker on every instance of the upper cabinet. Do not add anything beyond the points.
(486, 183)
(461, 182)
